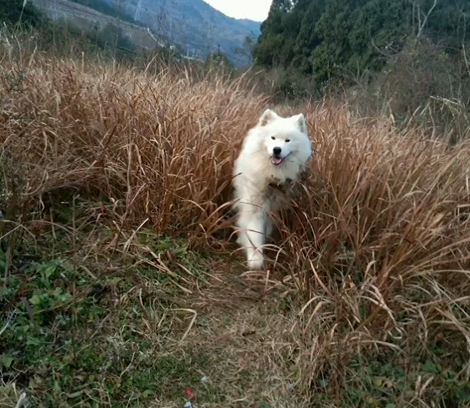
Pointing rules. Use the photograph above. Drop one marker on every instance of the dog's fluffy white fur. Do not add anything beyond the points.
(275, 151)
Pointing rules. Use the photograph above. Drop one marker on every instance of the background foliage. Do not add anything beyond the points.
(331, 39)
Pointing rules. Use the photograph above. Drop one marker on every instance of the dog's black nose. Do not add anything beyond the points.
(277, 151)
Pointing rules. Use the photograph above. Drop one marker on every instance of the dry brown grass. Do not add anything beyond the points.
(373, 256)
(381, 242)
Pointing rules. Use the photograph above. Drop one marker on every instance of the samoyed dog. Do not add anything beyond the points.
(273, 155)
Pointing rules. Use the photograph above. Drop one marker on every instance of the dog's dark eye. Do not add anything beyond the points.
(287, 140)
(272, 137)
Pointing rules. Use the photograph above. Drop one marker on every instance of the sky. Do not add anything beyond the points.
(253, 9)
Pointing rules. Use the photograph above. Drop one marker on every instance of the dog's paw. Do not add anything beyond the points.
(256, 261)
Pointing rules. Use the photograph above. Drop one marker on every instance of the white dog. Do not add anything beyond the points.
(274, 152)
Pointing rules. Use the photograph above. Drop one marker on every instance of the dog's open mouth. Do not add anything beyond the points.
(276, 160)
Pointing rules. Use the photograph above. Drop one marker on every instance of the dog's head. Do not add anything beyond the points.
(284, 137)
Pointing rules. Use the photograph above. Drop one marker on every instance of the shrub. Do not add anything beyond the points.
(424, 84)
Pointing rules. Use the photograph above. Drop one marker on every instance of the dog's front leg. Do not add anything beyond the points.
(252, 238)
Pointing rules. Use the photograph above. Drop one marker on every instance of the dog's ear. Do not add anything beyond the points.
(267, 117)
(300, 122)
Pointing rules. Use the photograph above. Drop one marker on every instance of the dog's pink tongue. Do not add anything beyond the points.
(276, 160)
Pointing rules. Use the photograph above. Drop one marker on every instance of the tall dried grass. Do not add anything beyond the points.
(159, 147)
(378, 237)
(381, 243)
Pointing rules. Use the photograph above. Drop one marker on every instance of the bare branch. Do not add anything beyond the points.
(423, 23)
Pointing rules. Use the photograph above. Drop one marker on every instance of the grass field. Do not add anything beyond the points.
(121, 285)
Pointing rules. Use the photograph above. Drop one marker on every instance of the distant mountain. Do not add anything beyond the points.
(194, 25)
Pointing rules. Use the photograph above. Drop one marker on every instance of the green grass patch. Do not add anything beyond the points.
(105, 338)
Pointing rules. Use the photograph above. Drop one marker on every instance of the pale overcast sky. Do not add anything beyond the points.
(253, 9)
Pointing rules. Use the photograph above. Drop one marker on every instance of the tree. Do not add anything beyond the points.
(307, 37)
(219, 61)
(278, 33)
(246, 50)
(19, 12)
(333, 40)
(281, 5)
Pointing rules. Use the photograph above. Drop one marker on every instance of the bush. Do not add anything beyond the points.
(219, 63)
(424, 84)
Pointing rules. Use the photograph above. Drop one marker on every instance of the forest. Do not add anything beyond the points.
(336, 40)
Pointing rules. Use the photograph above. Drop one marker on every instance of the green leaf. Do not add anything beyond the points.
(33, 341)
(6, 360)
(378, 381)
(56, 387)
(75, 394)
(35, 300)
(430, 367)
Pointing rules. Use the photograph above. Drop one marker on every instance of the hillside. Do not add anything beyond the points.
(120, 281)
(329, 40)
(193, 24)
